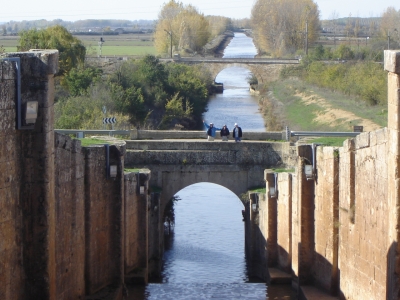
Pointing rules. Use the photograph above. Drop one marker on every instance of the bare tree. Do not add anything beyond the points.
(284, 26)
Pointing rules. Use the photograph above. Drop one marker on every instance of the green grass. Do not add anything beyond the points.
(10, 49)
(261, 190)
(118, 45)
(126, 50)
(85, 142)
(134, 170)
(330, 141)
(299, 116)
(377, 113)
(283, 170)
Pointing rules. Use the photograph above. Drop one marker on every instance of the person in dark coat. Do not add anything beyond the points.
(224, 133)
(237, 133)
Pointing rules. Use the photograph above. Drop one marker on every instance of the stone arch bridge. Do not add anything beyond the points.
(175, 165)
(266, 70)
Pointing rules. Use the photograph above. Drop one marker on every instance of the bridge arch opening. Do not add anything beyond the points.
(207, 241)
(241, 73)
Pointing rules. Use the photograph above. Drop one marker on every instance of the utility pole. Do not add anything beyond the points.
(170, 35)
(306, 42)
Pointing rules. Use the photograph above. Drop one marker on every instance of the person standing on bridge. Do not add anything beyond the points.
(224, 133)
(211, 130)
(237, 133)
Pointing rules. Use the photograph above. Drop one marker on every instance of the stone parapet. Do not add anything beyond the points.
(136, 134)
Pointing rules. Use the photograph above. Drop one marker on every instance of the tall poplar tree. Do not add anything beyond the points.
(182, 27)
(280, 26)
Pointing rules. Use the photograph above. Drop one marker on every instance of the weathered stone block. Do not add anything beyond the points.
(392, 61)
(378, 137)
(361, 141)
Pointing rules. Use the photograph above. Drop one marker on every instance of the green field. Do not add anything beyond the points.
(114, 45)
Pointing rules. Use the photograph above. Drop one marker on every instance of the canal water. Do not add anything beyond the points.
(204, 257)
(236, 104)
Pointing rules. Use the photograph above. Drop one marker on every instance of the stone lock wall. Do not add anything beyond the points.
(284, 214)
(136, 224)
(66, 230)
(336, 237)
(363, 217)
(11, 270)
(70, 218)
(339, 230)
(326, 219)
(27, 215)
(104, 219)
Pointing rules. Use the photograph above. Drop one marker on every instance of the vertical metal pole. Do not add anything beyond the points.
(104, 112)
(107, 148)
(307, 37)
(18, 109)
(170, 34)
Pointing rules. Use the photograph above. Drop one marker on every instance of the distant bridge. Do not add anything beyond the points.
(265, 69)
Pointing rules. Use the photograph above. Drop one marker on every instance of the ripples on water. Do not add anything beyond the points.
(205, 258)
(208, 236)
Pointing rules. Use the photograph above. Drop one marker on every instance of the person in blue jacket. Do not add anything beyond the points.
(211, 130)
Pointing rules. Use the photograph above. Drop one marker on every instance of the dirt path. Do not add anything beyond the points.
(331, 115)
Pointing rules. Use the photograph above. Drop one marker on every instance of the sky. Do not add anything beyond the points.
(74, 10)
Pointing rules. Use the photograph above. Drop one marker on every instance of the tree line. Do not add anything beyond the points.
(183, 29)
(281, 27)
(142, 92)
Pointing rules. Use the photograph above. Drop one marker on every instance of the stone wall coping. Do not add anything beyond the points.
(48, 56)
(392, 61)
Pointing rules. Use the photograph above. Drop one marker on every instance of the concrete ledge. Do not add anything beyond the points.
(111, 292)
(312, 293)
(279, 277)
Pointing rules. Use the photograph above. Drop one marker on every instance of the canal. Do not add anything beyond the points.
(204, 256)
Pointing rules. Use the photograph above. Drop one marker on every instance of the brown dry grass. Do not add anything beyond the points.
(329, 115)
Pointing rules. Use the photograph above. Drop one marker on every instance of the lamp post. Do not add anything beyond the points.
(170, 35)
(101, 42)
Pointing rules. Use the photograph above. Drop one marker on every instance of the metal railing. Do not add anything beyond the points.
(199, 134)
(95, 132)
(321, 133)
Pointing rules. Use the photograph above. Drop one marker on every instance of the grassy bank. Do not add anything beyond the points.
(292, 102)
